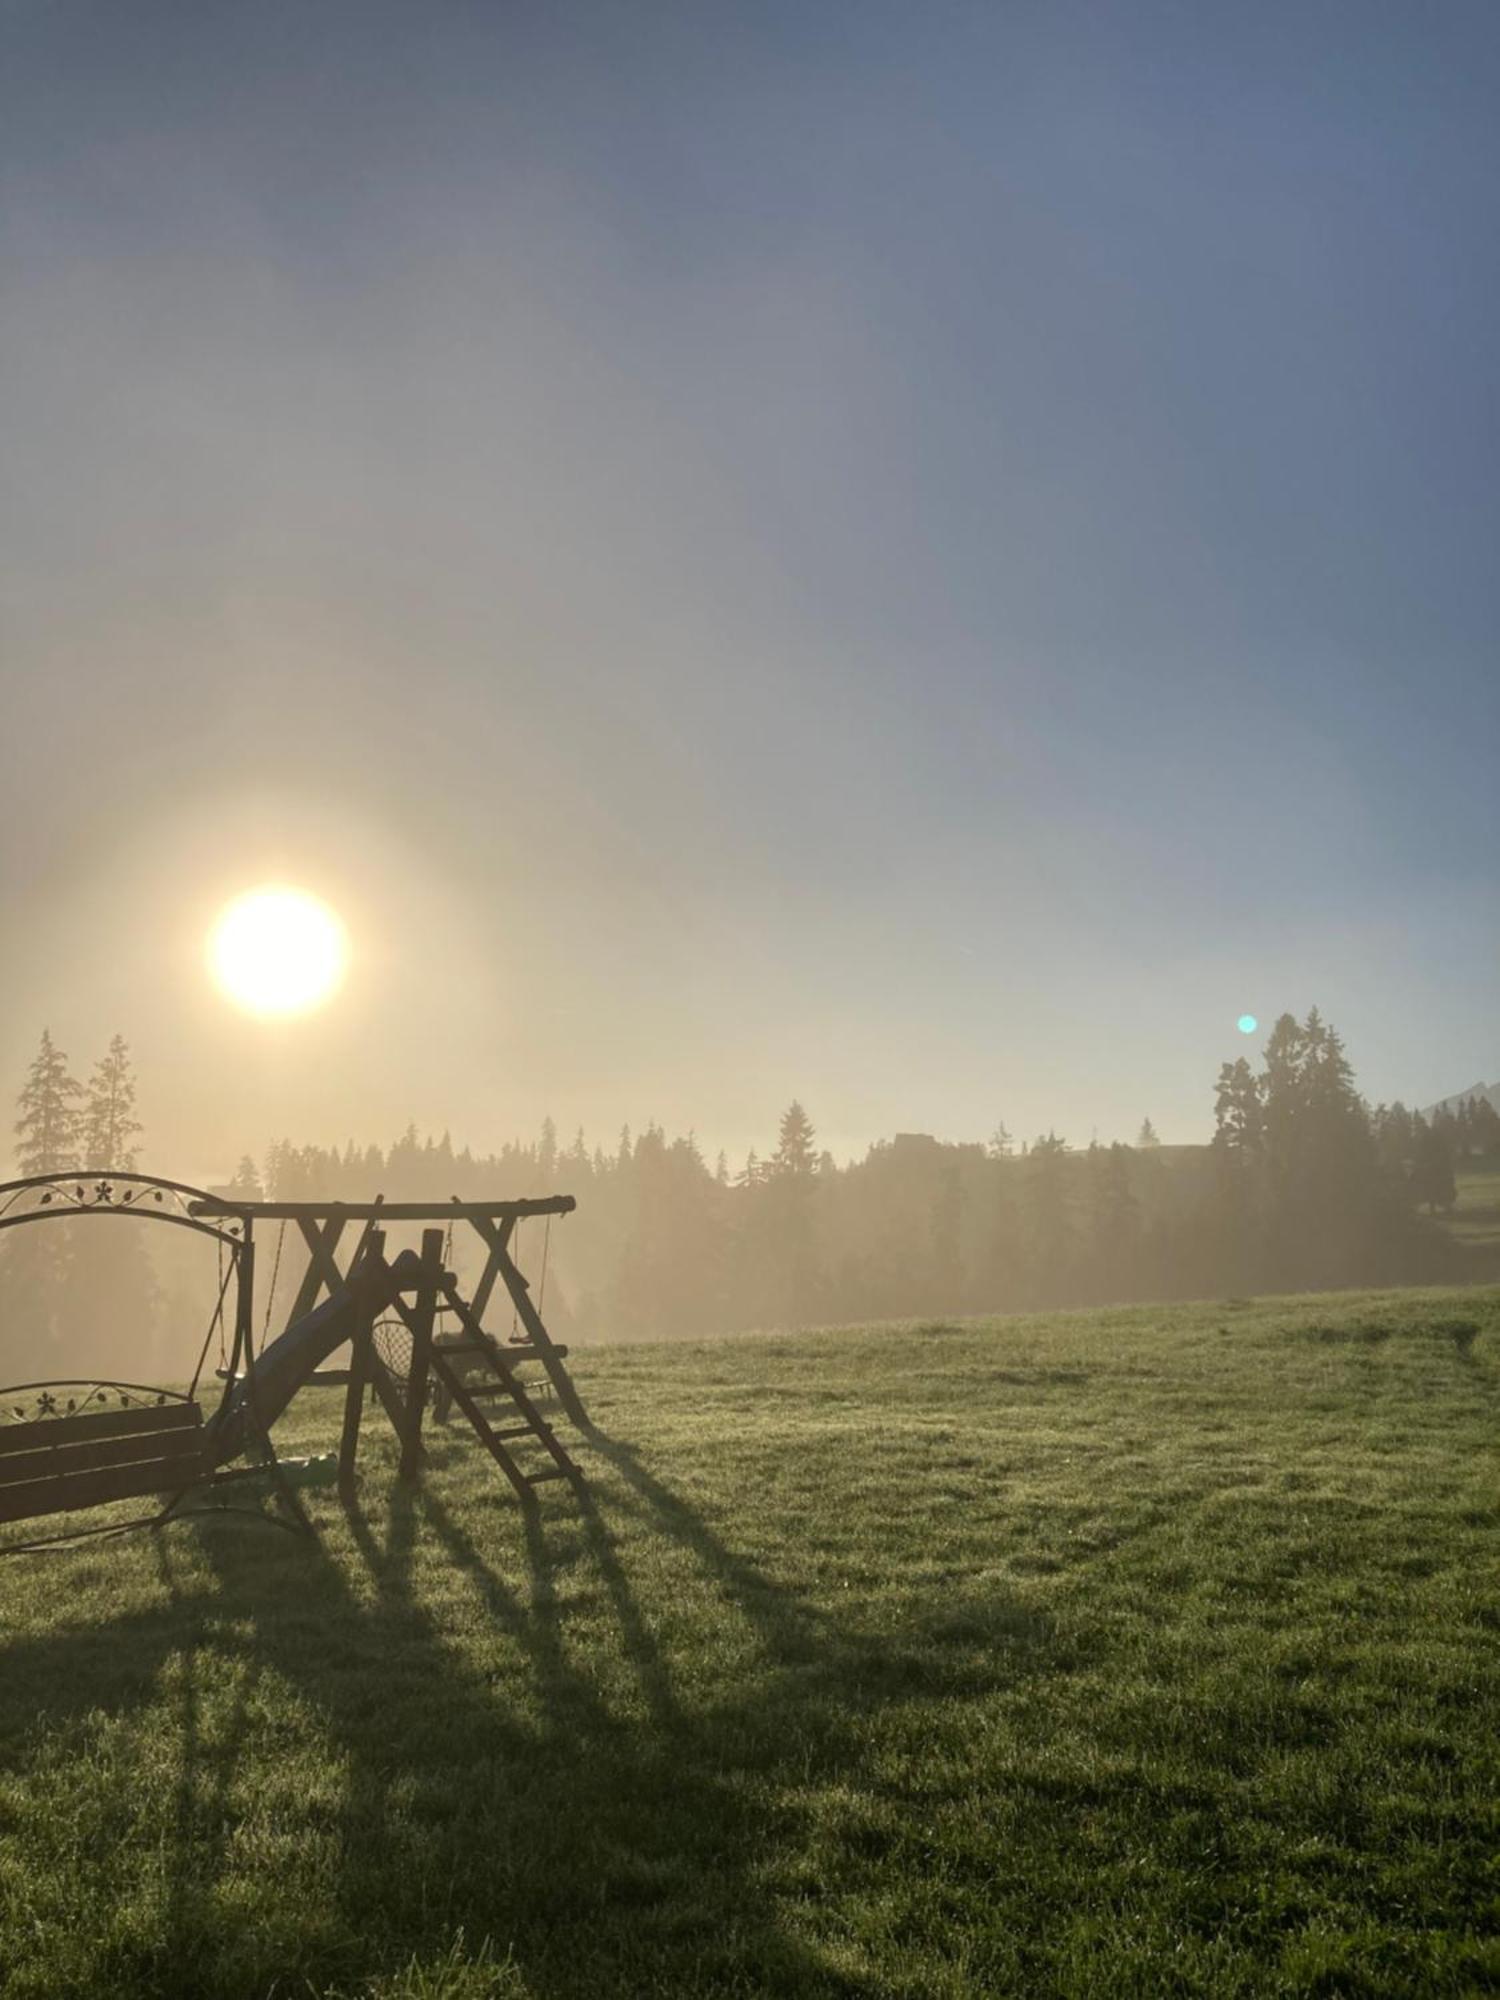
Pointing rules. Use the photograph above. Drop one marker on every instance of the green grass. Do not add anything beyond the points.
(1130, 1652)
(1474, 1219)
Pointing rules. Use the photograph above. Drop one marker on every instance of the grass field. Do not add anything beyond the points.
(1475, 1218)
(1140, 1652)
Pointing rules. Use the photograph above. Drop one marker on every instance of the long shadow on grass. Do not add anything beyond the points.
(604, 1857)
(612, 1845)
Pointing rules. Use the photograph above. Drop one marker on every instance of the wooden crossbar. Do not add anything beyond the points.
(387, 1211)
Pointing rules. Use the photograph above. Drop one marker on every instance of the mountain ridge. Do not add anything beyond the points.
(1490, 1092)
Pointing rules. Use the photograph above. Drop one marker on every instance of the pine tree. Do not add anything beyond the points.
(945, 1225)
(785, 1235)
(1328, 1206)
(1239, 1115)
(36, 1261)
(1049, 1216)
(1146, 1138)
(794, 1152)
(1004, 1272)
(47, 1130)
(1432, 1179)
(1114, 1222)
(109, 1122)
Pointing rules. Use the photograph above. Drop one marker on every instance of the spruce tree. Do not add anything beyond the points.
(110, 1125)
(794, 1152)
(785, 1236)
(945, 1231)
(1114, 1222)
(47, 1128)
(1432, 1179)
(1239, 1115)
(1328, 1208)
(1004, 1259)
(1050, 1218)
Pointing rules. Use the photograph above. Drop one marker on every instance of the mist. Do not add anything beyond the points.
(927, 576)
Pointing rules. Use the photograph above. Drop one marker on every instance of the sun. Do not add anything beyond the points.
(277, 951)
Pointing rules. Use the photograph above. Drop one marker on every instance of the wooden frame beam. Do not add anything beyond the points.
(385, 1211)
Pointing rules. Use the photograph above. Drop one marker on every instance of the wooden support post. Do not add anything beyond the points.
(361, 1359)
(354, 1403)
(419, 1320)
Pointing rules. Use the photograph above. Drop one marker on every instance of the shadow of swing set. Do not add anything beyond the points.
(70, 1446)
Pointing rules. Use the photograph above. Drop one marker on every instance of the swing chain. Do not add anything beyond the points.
(275, 1274)
(219, 1310)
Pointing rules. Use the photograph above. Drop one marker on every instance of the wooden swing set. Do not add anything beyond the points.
(69, 1446)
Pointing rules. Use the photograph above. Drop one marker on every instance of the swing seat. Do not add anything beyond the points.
(61, 1464)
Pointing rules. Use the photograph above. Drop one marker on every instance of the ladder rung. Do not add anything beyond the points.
(552, 1472)
(519, 1431)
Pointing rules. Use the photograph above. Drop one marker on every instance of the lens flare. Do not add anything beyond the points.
(1247, 1024)
(277, 951)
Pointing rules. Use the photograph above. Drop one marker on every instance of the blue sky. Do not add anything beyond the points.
(922, 558)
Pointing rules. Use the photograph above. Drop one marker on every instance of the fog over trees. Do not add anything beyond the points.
(1304, 1185)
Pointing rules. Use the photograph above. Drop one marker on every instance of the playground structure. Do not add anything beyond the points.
(71, 1445)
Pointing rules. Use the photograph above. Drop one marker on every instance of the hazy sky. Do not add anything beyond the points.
(925, 558)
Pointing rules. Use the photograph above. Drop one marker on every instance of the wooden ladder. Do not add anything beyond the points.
(452, 1362)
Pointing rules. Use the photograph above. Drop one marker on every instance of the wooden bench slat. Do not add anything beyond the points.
(98, 1424)
(66, 1493)
(97, 1453)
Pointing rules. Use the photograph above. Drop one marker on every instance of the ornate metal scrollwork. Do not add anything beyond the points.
(92, 1194)
(34, 1402)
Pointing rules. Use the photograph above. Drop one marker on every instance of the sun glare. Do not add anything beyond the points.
(277, 951)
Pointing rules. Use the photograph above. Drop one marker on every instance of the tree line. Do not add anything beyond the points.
(78, 1295)
(1304, 1185)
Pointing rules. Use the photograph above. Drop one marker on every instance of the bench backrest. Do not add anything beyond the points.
(56, 1465)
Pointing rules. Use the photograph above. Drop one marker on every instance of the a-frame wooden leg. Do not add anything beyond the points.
(420, 1319)
(499, 1264)
(550, 1359)
(354, 1402)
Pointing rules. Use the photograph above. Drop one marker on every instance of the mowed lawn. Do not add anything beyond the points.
(1134, 1652)
(1475, 1217)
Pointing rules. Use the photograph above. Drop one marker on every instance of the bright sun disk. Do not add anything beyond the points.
(277, 951)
